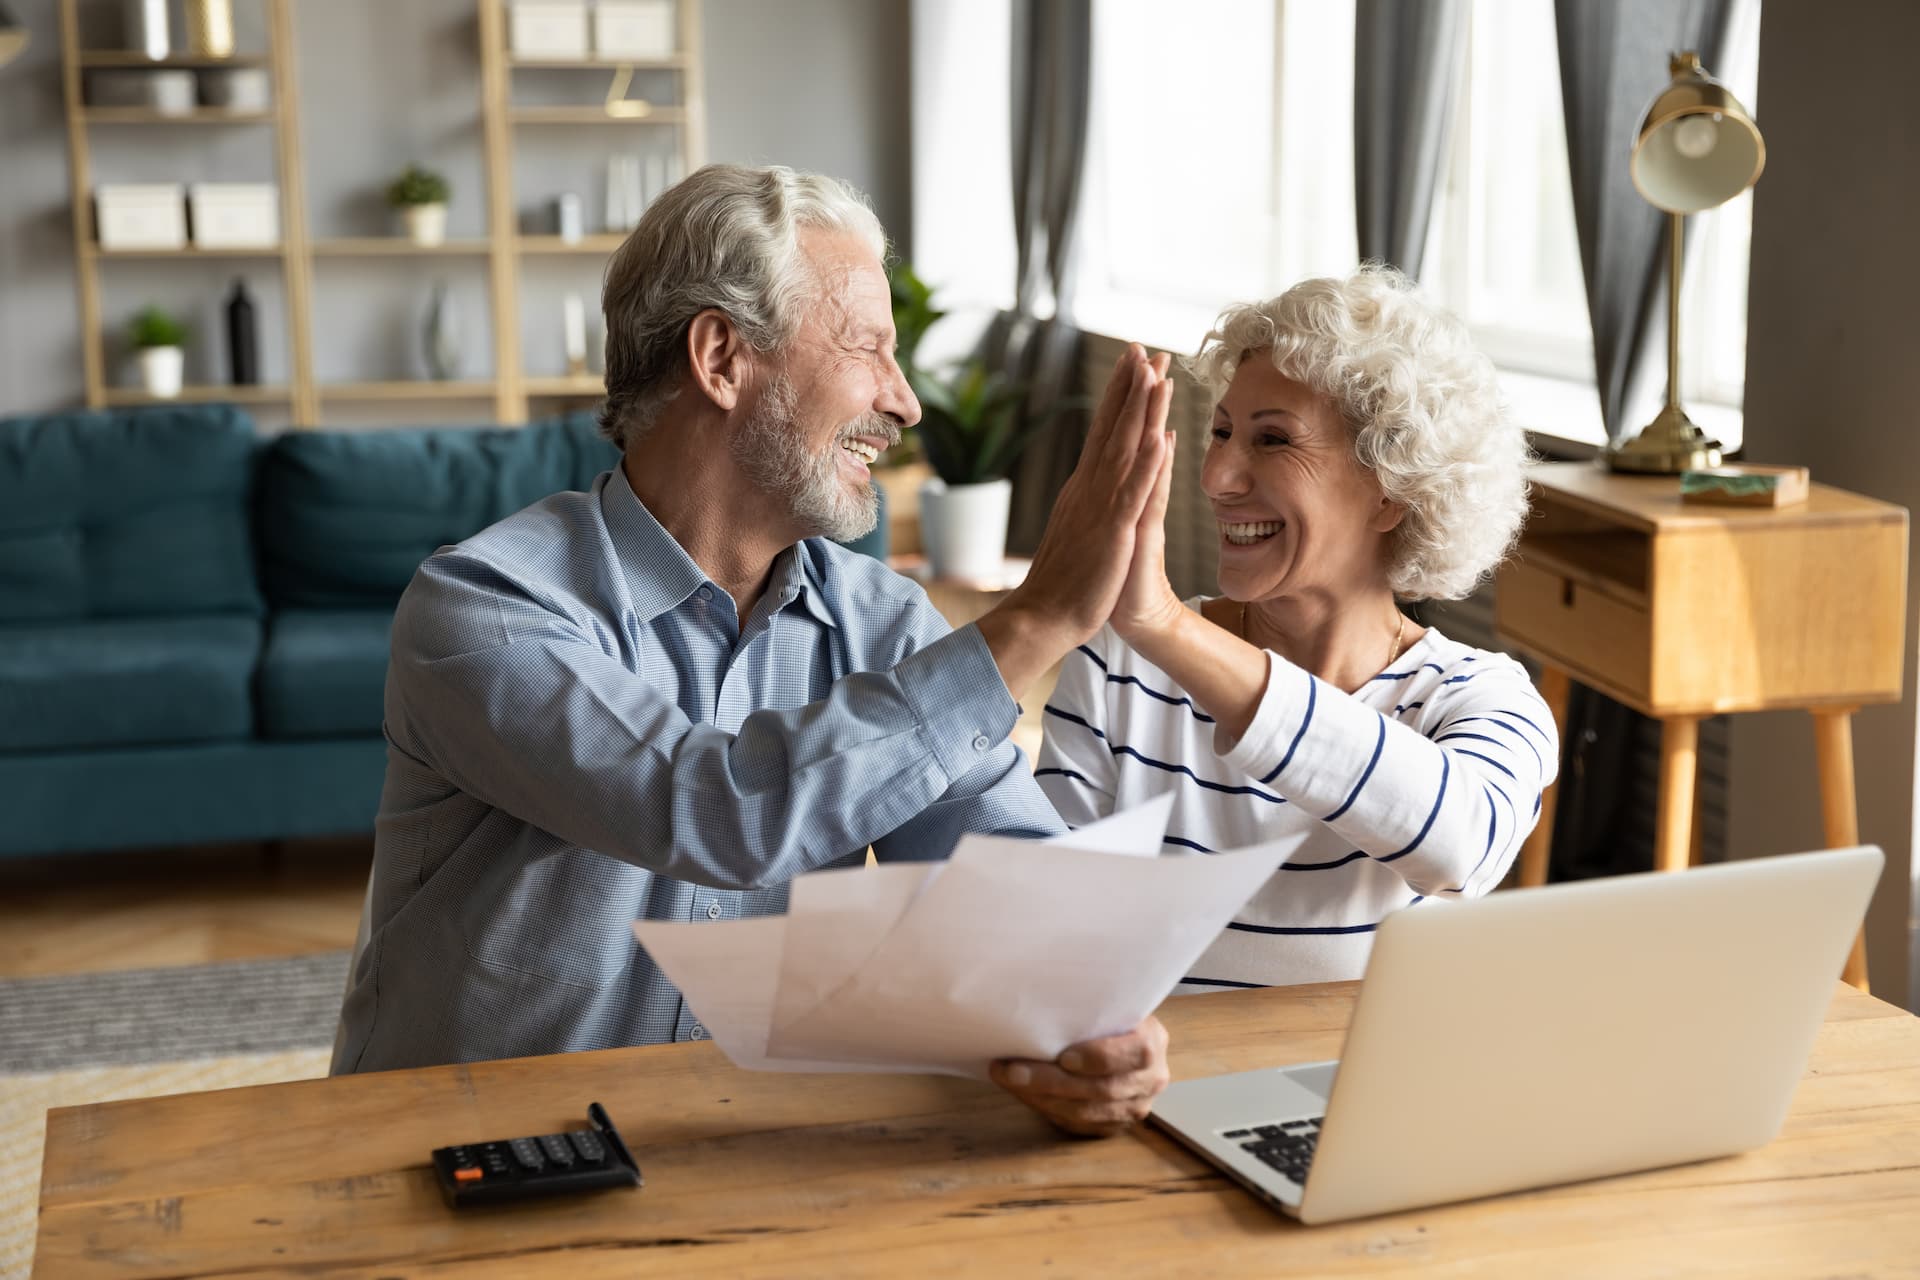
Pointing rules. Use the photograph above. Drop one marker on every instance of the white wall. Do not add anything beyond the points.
(1833, 382)
(818, 84)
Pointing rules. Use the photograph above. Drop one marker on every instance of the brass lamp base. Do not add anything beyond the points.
(1670, 444)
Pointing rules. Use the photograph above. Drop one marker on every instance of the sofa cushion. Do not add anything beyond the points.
(126, 681)
(324, 672)
(346, 517)
(128, 513)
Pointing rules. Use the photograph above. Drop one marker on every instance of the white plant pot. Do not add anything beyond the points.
(426, 223)
(160, 371)
(963, 528)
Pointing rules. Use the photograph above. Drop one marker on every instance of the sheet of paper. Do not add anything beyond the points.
(1139, 831)
(1019, 950)
(727, 973)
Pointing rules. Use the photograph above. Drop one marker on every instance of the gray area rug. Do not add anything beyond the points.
(167, 1015)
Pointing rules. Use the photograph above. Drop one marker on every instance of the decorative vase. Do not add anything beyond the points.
(963, 529)
(243, 338)
(210, 28)
(161, 370)
(441, 337)
(146, 28)
(426, 223)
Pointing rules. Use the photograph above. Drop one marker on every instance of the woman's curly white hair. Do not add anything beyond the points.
(1421, 401)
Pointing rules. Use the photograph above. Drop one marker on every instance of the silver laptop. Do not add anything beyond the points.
(1542, 1036)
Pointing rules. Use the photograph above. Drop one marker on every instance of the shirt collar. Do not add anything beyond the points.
(660, 575)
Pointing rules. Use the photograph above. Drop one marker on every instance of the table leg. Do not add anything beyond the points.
(1555, 687)
(1839, 811)
(1679, 767)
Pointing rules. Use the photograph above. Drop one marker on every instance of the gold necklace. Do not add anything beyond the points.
(1399, 631)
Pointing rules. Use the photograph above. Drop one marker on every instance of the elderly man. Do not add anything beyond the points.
(667, 697)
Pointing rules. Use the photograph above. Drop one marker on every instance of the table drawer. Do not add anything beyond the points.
(1597, 637)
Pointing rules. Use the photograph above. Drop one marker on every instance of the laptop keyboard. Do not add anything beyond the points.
(1287, 1147)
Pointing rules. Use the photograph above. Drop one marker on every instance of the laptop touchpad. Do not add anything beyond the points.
(1314, 1076)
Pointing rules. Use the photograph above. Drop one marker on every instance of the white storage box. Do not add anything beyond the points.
(548, 29)
(633, 29)
(140, 215)
(234, 215)
(168, 92)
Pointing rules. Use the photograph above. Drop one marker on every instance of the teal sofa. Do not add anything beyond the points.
(194, 619)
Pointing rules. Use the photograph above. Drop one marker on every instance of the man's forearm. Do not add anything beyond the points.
(1025, 643)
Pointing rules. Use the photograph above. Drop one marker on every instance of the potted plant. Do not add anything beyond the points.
(159, 339)
(421, 197)
(970, 433)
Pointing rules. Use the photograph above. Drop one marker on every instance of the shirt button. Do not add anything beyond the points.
(713, 911)
(706, 593)
(981, 742)
(698, 1033)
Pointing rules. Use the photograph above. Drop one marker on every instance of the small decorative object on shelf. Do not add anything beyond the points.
(236, 89)
(548, 30)
(625, 203)
(633, 29)
(568, 223)
(421, 197)
(159, 339)
(140, 215)
(165, 91)
(209, 28)
(574, 314)
(146, 28)
(243, 338)
(441, 338)
(234, 215)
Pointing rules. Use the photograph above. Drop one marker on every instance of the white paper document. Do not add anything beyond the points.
(1010, 949)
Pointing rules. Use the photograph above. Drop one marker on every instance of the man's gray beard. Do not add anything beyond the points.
(769, 450)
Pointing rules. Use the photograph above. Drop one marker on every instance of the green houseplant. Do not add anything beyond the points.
(159, 340)
(421, 196)
(971, 432)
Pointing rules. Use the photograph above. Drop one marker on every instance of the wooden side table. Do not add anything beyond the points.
(1683, 610)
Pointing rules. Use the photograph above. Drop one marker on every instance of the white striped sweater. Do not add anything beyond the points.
(1422, 785)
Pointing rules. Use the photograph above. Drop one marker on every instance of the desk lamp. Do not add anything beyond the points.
(1697, 148)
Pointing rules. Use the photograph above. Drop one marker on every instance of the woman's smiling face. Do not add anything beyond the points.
(1299, 516)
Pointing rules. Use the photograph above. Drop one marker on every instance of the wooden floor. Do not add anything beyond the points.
(85, 913)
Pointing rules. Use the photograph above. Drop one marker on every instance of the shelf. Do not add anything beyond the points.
(424, 389)
(200, 395)
(147, 115)
(672, 62)
(395, 247)
(594, 115)
(190, 251)
(599, 245)
(132, 58)
(587, 385)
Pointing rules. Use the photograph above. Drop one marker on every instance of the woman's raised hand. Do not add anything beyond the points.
(1147, 601)
(1084, 556)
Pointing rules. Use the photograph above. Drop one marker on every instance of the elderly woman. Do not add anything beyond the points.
(1357, 457)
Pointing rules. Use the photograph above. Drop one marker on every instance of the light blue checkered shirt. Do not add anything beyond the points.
(581, 734)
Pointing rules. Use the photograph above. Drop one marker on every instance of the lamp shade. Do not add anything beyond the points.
(1697, 146)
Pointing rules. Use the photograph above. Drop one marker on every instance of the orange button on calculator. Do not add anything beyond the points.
(468, 1175)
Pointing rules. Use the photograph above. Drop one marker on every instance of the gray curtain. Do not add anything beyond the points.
(1613, 59)
(1406, 59)
(1052, 82)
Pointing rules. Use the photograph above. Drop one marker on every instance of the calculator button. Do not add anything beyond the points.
(527, 1154)
(587, 1143)
(555, 1145)
(468, 1174)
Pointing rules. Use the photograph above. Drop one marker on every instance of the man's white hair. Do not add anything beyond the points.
(726, 238)
(1423, 406)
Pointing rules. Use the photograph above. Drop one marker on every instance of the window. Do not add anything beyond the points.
(1220, 162)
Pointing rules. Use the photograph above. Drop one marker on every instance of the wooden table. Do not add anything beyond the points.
(1685, 610)
(766, 1174)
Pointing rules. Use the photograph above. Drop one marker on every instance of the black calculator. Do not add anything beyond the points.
(518, 1168)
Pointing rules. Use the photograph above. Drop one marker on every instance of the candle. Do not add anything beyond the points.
(576, 333)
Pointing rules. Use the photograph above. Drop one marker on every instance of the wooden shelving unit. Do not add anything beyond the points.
(502, 249)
